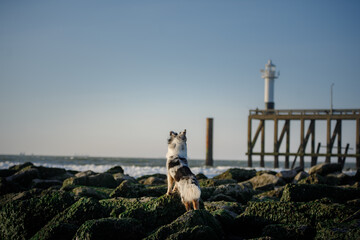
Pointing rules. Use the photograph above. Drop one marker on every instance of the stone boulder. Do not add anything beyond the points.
(289, 231)
(289, 175)
(241, 192)
(192, 225)
(44, 184)
(116, 169)
(24, 177)
(110, 228)
(120, 177)
(237, 174)
(85, 174)
(156, 212)
(66, 223)
(266, 182)
(301, 175)
(21, 166)
(309, 192)
(98, 180)
(84, 191)
(325, 168)
(21, 219)
(200, 176)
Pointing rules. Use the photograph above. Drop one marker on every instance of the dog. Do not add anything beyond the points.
(178, 172)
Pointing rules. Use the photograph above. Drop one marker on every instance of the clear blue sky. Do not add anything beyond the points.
(112, 78)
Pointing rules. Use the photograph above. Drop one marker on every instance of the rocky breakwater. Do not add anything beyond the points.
(51, 203)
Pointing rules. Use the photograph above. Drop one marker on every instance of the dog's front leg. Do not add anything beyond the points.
(170, 182)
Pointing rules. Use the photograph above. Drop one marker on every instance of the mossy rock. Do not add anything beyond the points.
(114, 206)
(298, 213)
(230, 206)
(21, 166)
(200, 176)
(215, 182)
(186, 223)
(134, 190)
(342, 231)
(110, 228)
(237, 174)
(289, 231)
(24, 176)
(156, 175)
(308, 192)
(207, 192)
(238, 192)
(105, 180)
(95, 192)
(313, 179)
(65, 224)
(22, 219)
(6, 173)
(156, 212)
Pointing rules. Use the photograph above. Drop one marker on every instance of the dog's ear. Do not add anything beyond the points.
(184, 132)
(173, 134)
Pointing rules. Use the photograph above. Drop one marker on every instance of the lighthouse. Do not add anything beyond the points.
(269, 74)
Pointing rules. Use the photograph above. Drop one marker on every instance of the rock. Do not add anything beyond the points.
(313, 179)
(156, 212)
(44, 184)
(50, 173)
(215, 182)
(342, 178)
(229, 206)
(266, 181)
(21, 166)
(238, 192)
(116, 169)
(120, 177)
(200, 176)
(24, 177)
(301, 175)
(6, 173)
(153, 181)
(305, 192)
(309, 213)
(275, 194)
(325, 168)
(346, 230)
(8, 187)
(22, 219)
(89, 192)
(207, 192)
(114, 206)
(102, 180)
(248, 227)
(156, 175)
(289, 175)
(289, 231)
(197, 224)
(129, 189)
(261, 172)
(65, 224)
(85, 174)
(237, 174)
(98, 180)
(110, 228)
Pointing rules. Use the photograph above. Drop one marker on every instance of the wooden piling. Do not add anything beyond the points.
(209, 142)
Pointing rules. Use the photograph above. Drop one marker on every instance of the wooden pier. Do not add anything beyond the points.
(311, 116)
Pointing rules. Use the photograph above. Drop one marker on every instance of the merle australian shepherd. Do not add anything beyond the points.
(179, 172)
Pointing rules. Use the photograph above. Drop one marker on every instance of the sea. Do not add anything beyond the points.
(137, 167)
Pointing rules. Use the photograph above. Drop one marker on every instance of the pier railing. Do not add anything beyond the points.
(303, 115)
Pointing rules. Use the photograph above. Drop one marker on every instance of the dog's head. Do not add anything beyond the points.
(177, 143)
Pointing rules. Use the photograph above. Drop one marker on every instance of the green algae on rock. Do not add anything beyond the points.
(156, 212)
(22, 219)
(110, 229)
(65, 224)
(188, 223)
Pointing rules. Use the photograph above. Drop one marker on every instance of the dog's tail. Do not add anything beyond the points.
(189, 189)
